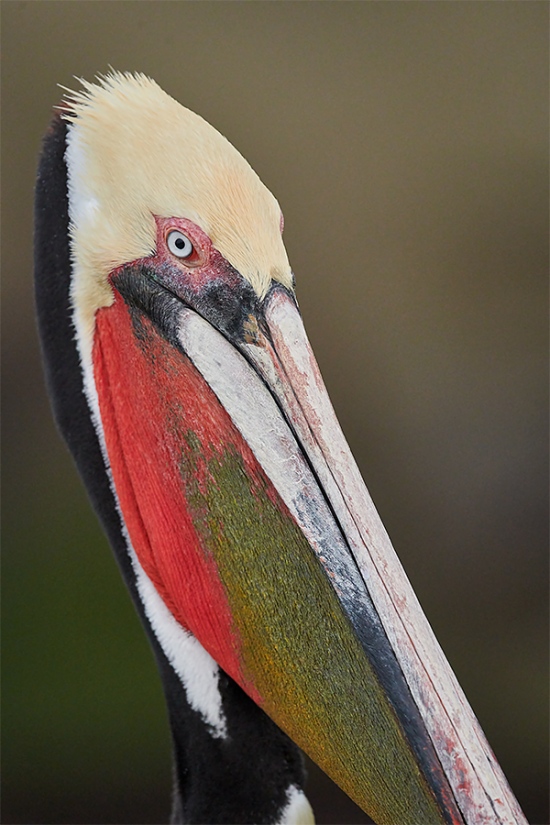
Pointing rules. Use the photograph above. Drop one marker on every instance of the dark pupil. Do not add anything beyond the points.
(180, 243)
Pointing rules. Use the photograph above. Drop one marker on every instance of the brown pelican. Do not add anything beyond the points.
(184, 384)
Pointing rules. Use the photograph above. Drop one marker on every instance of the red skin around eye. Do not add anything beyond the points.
(204, 266)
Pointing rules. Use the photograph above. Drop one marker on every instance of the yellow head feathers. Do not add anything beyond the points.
(134, 152)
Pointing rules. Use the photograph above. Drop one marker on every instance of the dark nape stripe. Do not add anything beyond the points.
(52, 267)
(259, 760)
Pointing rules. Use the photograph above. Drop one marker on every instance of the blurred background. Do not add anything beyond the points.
(407, 145)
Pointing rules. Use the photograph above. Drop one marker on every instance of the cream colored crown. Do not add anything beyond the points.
(134, 152)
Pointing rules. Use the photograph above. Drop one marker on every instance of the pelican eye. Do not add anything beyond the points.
(179, 244)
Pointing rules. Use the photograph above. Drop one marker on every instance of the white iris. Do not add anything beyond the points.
(179, 244)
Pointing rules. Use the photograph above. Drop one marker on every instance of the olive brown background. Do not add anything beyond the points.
(406, 143)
